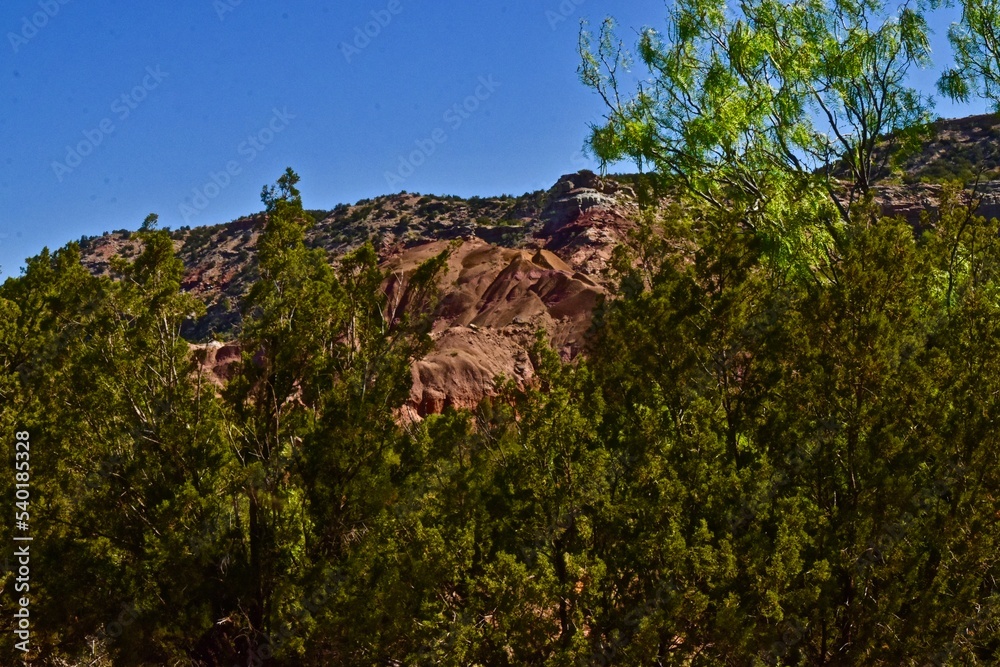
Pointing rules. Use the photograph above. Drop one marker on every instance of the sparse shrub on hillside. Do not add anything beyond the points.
(319, 214)
(960, 161)
(434, 208)
(477, 204)
(361, 212)
(400, 228)
(197, 239)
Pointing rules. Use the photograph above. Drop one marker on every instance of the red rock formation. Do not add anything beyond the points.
(522, 264)
(494, 300)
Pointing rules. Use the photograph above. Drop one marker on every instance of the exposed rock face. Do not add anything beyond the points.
(464, 366)
(956, 148)
(586, 217)
(520, 264)
(910, 201)
(217, 359)
(516, 266)
(571, 196)
(494, 300)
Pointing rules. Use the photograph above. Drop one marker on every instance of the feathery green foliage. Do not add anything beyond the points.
(759, 462)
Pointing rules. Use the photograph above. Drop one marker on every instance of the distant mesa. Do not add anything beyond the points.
(537, 261)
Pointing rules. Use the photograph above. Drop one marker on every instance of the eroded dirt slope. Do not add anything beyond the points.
(516, 266)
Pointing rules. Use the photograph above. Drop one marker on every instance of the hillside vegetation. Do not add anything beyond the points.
(777, 445)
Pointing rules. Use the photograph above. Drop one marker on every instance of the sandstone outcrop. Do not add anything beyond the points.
(517, 264)
(494, 301)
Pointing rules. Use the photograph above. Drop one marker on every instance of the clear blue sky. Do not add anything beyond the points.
(202, 81)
